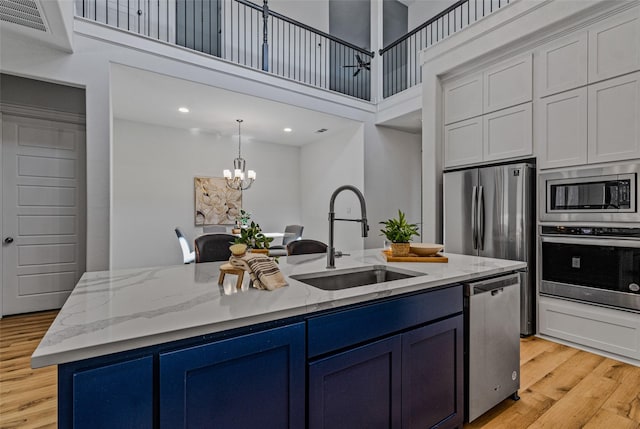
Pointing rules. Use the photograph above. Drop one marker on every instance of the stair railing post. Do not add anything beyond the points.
(265, 40)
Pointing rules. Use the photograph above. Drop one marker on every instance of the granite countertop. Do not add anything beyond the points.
(118, 310)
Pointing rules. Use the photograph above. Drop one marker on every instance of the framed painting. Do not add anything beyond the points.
(216, 203)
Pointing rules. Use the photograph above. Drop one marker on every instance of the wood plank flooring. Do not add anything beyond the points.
(28, 397)
(561, 387)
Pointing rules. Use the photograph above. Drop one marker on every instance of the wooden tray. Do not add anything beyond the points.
(414, 258)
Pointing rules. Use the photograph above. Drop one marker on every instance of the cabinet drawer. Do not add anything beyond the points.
(508, 84)
(349, 327)
(602, 328)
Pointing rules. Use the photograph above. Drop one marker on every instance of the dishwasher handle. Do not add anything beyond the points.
(494, 285)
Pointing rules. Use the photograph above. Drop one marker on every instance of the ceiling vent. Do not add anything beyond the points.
(23, 12)
(322, 130)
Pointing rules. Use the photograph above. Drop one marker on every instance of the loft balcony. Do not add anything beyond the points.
(256, 36)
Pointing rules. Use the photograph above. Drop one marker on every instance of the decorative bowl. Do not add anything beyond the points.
(426, 249)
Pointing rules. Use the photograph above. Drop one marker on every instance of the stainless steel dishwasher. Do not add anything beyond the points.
(492, 339)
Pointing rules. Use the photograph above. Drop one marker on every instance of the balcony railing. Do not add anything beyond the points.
(245, 33)
(255, 36)
(401, 68)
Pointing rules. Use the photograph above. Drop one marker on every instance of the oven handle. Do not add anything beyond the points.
(591, 241)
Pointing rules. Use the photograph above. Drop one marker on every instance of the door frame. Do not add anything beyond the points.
(11, 109)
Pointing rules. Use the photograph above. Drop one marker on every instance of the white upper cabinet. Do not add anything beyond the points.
(561, 129)
(462, 99)
(463, 142)
(614, 46)
(508, 84)
(508, 133)
(561, 65)
(614, 119)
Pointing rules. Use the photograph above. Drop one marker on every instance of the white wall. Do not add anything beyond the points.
(324, 166)
(314, 13)
(392, 178)
(89, 67)
(421, 11)
(153, 171)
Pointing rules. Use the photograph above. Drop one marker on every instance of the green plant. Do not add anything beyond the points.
(253, 237)
(398, 230)
(243, 217)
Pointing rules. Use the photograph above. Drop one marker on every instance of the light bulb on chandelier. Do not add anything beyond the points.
(241, 178)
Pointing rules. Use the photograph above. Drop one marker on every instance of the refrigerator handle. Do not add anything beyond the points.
(474, 217)
(480, 218)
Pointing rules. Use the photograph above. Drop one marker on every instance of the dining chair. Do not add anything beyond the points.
(188, 256)
(306, 247)
(291, 233)
(213, 247)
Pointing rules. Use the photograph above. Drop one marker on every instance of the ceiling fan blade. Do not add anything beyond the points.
(349, 66)
(360, 62)
(357, 71)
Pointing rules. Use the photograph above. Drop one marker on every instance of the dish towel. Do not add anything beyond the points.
(264, 273)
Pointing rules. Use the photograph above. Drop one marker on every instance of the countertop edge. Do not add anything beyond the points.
(98, 350)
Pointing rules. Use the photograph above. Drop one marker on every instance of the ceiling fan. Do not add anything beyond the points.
(360, 65)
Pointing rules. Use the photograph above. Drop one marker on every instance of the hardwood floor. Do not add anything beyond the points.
(561, 387)
(28, 397)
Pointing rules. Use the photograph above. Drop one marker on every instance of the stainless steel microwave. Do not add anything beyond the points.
(603, 194)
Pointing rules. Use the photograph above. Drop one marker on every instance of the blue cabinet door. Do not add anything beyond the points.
(252, 381)
(359, 388)
(432, 375)
(111, 395)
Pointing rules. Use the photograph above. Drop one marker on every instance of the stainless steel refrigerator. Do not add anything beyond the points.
(490, 211)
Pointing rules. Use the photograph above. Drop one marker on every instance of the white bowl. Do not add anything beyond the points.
(425, 249)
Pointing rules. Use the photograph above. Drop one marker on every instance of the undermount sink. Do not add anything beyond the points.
(344, 279)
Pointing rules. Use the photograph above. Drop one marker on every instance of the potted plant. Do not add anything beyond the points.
(399, 232)
(242, 221)
(253, 237)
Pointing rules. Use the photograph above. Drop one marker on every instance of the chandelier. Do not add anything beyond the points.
(241, 178)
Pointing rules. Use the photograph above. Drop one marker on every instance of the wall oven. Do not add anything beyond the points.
(592, 264)
(603, 194)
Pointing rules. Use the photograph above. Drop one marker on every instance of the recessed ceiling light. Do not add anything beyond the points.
(287, 130)
(183, 110)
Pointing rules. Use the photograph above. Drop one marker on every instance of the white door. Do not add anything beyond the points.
(43, 212)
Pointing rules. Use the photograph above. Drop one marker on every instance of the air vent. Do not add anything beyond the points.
(22, 12)
(321, 130)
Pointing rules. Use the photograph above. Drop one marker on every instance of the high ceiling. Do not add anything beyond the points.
(152, 98)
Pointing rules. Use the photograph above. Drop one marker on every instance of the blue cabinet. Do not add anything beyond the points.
(96, 395)
(252, 381)
(432, 375)
(357, 389)
(411, 378)
(390, 363)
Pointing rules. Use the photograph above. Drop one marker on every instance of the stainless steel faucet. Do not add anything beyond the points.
(331, 251)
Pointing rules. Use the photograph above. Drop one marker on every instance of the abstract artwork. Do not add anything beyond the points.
(216, 203)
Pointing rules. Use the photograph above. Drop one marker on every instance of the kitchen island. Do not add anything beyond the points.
(145, 347)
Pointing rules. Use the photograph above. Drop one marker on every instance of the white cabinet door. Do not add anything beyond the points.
(462, 99)
(561, 129)
(614, 46)
(463, 142)
(508, 84)
(561, 65)
(508, 133)
(614, 119)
